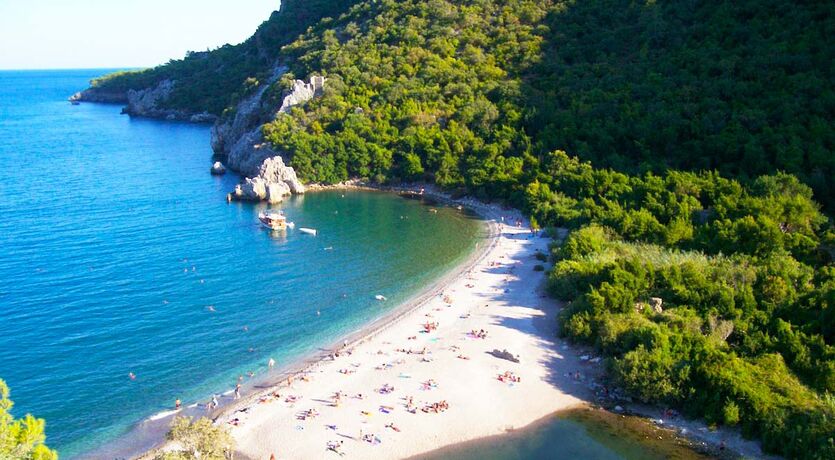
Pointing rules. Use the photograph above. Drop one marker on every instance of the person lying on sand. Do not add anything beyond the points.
(386, 389)
(509, 377)
(336, 447)
(436, 407)
(393, 427)
(480, 334)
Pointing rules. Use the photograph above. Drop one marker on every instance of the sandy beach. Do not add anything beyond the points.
(428, 379)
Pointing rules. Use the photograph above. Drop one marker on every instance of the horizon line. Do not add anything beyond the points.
(13, 69)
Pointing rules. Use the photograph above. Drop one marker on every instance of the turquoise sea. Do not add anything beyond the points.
(120, 255)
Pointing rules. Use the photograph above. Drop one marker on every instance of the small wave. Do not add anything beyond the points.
(163, 414)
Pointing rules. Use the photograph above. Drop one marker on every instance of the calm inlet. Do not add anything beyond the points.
(121, 256)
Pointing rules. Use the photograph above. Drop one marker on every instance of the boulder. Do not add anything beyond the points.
(253, 189)
(276, 192)
(655, 303)
(274, 170)
(218, 169)
(258, 189)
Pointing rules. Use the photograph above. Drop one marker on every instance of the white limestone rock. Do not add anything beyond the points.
(302, 92)
(273, 170)
(276, 191)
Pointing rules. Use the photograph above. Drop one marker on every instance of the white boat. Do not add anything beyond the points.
(309, 231)
(274, 220)
(380, 297)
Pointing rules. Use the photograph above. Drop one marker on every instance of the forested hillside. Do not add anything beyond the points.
(214, 80)
(741, 87)
(687, 145)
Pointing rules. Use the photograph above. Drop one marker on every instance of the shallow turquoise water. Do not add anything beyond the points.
(115, 240)
(574, 435)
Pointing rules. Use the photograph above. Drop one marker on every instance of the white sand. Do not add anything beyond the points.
(502, 295)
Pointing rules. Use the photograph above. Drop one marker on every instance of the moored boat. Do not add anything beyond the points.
(309, 231)
(274, 220)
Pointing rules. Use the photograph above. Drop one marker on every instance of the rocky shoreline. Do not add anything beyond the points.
(144, 103)
(237, 139)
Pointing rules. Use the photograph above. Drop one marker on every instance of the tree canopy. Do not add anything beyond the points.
(21, 439)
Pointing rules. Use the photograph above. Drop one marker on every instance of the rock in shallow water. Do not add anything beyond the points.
(273, 170)
(218, 169)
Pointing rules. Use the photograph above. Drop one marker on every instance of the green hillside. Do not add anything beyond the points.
(699, 158)
(213, 80)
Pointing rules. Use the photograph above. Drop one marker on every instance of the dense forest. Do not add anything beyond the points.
(688, 146)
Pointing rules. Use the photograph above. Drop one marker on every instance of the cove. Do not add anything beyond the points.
(120, 255)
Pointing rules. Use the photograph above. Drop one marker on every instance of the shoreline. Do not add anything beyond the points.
(147, 436)
(374, 328)
(255, 428)
(257, 392)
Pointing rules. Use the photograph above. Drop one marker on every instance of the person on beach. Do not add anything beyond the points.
(238, 391)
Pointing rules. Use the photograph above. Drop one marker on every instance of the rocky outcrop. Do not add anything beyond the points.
(274, 181)
(250, 113)
(273, 170)
(148, 102)
(218, 169)
(239, 138)
(656, 304)
(98, 95)
(302, 92)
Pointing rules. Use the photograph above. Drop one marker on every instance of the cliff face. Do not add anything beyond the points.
(239, 139)
(201, 87)
(97, 95)
(147, 102)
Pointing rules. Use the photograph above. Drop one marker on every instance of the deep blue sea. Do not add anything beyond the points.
(116, 245)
